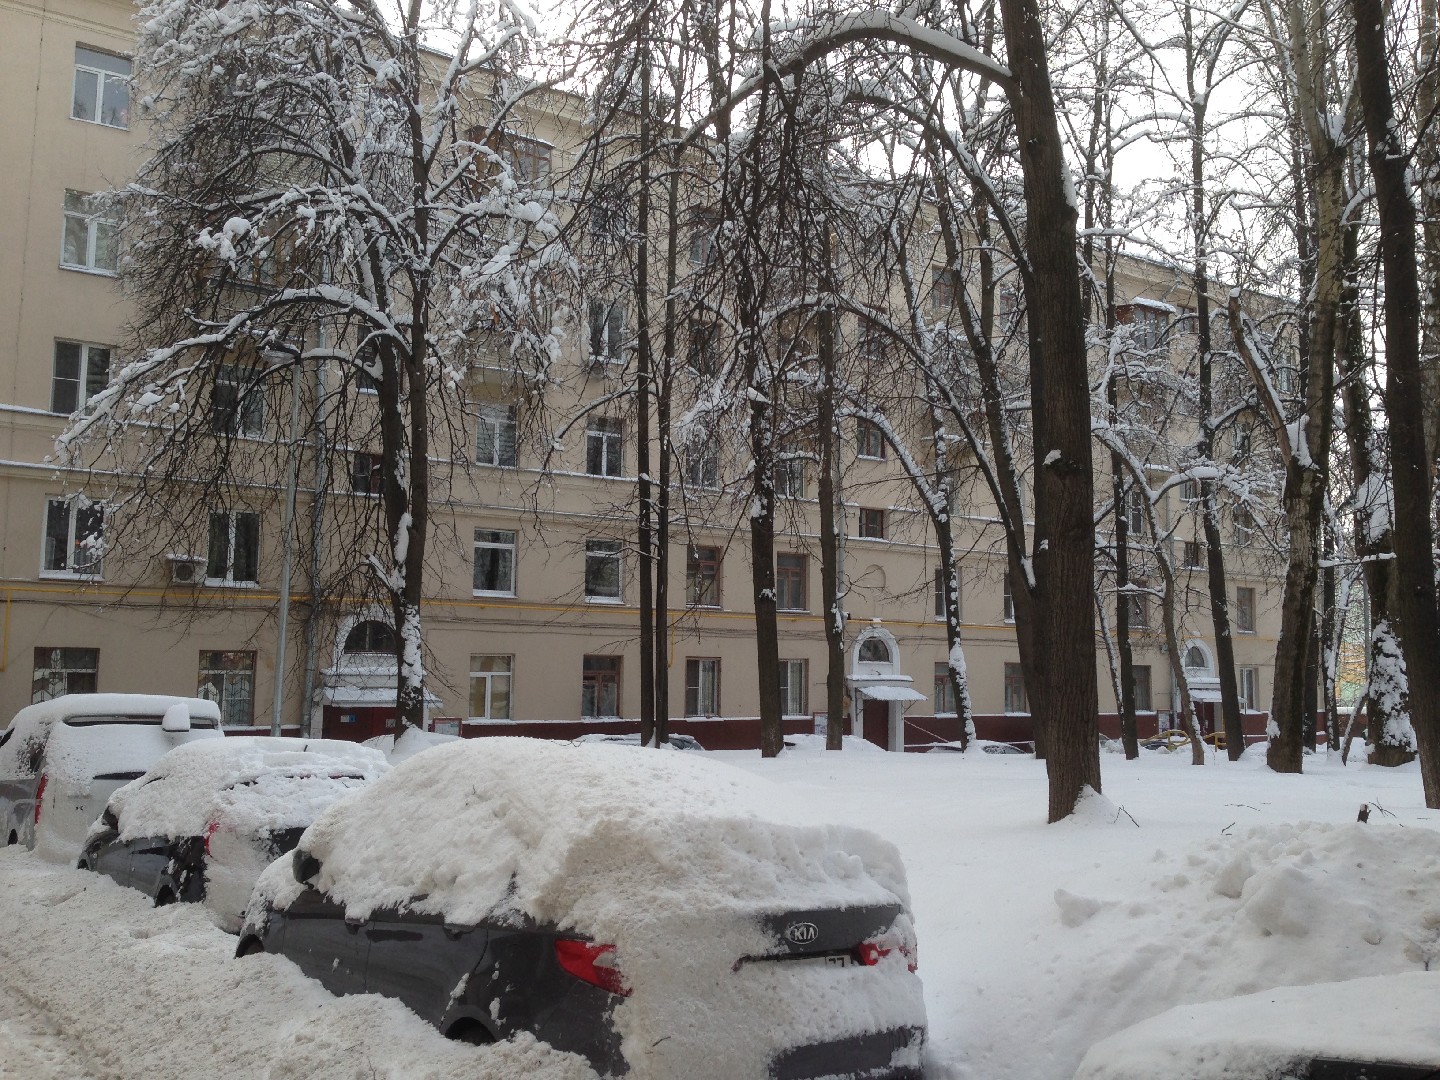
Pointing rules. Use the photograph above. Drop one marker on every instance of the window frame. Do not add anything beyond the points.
(490, 677)
(66, 653)
(1014, 675)
(84, 382)
(244, 416)
(1007, 599)
(103, 76)
(593, 678)
(370, 467)
(797, 574)
(229, 580)
(74, 505)
(788, 478)
(792, 691)
(1247, 680)
(702, 467)
(495, 422)
(1193, 548)
(500, 546)
(702, 576)
(870, 444)
(605, 447)
(606, 330)
(695, 686)
(1142, 687)
(596, 550)
(943, 697)
(871, 527)
(1245, 597)
(229, 675)
(94, 225)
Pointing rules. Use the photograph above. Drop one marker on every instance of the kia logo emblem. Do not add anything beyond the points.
(801, 933)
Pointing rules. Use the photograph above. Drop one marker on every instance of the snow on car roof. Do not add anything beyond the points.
(176, 796)
(577, 836)
(45, 713)
(1389, 1018)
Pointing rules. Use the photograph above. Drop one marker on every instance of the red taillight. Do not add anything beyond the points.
(591, 963)
(209, 832)
(870, 953)
(40, 794)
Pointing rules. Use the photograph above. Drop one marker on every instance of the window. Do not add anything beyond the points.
(605, 446)
(702, 686)
(91, 242)
(494, 563)
(1245, 609)
(702, 466)
(702, 352)
(1249, 686)
(871, 339)
(529, 159)
(1140, 682)
(1193, 559)
(944, 290)
(702, 239)
(74, 536)
(1189, 491)
(1138, 605)
(944, 691)
(789, 478)
(872, 524)
(81, 372)
(1244, 524)
(61, 671)
(370, 637)
(602, 570)
(702, 577)
(873, 650)
(1135, 512)
(234, 555)
(607, 329)
(102, 88)
(794, 682)
(600, 686)
(490, 687)
(1007, 603)
(237, 404)
(1149, 327)
(1240, 447)
(1015, 699)
(365, 476)
(790, 573)
(869, 440)
(938, 593)
(496, 436)
(228, 679)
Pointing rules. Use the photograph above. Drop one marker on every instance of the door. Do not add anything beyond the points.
(876, 720)
(324, 944)
(420, 960)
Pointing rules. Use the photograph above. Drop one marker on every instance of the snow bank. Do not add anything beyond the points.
(805, 744)
(150, 992)
(670, 857)
(183, 791)
(412, 741)
(1384, 1018)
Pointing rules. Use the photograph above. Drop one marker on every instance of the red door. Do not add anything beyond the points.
(875, 720)
(357, 725)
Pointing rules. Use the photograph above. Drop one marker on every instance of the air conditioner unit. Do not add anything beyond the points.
(186, 569)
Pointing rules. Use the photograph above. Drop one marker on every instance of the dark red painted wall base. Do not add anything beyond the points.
(729, 733)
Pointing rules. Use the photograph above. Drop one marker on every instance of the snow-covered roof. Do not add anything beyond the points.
(45, 713)
(179, 793)
(881, 692)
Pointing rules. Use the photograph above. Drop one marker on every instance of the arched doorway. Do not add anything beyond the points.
(880, 692)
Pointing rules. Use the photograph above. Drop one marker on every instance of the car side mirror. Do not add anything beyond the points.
(109, 820)
(176, 718)
(304, 866)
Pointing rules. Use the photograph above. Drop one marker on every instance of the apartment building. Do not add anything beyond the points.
(532, 614)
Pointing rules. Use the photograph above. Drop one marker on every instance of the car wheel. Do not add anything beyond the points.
(164, 897)
(470, 1031)
(14, 839)
(251, 946)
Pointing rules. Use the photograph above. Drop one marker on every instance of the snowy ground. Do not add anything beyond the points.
(1035, 940)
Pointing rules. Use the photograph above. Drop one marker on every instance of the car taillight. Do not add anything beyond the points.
(591, 963)
(40, 794)
(871, 953)
(209, 832)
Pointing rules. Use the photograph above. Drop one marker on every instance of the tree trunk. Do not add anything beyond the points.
(1414, 536)
(1063, 558)
(832, 606)
(645, 540)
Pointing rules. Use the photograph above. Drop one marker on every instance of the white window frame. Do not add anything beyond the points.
(499, 545)
(231, 679)
(246, 418)
(600, 549)
(794, 687)
(74, 505)
(607, 435)
(232, 519)
(1013, 674)
(702, 467)
(497, 422)
(870, 442)
(606, 330)
(489, 678)
(1248, 681)
(102, 77)
(1007, 602)
(1253, 597)
(94, 226)
(85, 376)
(702, 685)
(944, 691)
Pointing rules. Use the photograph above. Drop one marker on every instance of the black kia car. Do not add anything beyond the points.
(520, 895)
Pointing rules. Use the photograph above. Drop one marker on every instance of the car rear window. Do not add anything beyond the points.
(115, 718)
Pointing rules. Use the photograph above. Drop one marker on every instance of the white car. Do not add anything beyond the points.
(61, 760)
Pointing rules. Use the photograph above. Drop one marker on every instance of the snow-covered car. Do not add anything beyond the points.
(203, 822)
(983, 745)
(1378, 1028)
(675, 742)
(662, 915)
(60, 760)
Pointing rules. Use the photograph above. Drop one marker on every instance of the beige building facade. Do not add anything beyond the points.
(532, 613)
